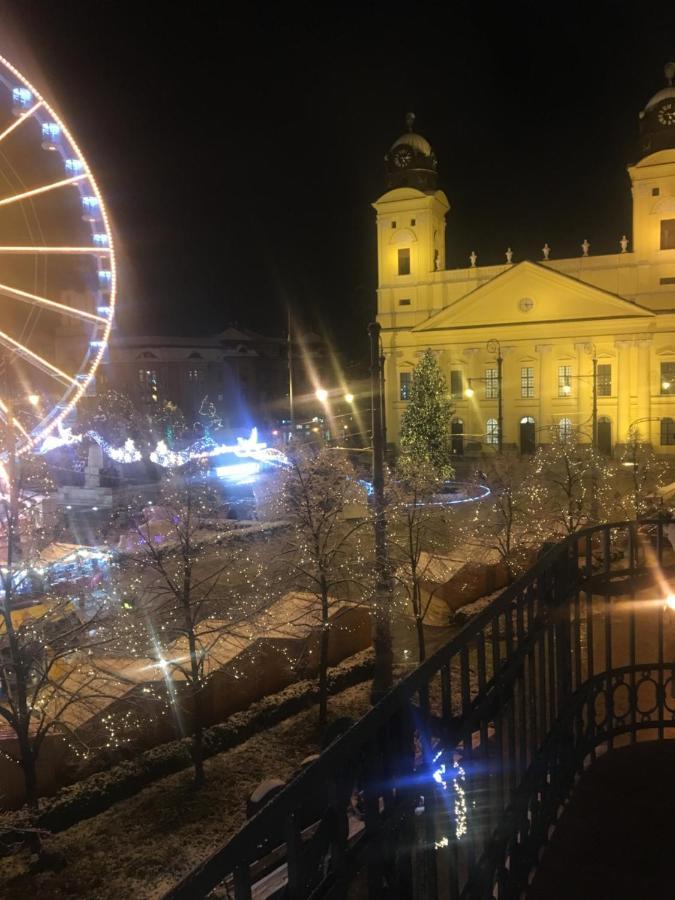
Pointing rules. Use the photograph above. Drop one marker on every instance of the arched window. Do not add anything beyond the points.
(565, 429)
(667, 432)
(492, 431)
(527, 420)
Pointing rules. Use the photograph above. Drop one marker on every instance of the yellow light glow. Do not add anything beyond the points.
(42, 363)
(5, 201)
(96, 251)
(321, 395)
(349, 398)
(51, 304)
(33, 399)
(469, 392)
(665, 385)
(566, 389)
(670, 601)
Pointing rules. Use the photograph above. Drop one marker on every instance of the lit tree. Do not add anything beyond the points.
(645, 471)
(49, 677)
(166, 422)
(111, 414)
(186, 596)
(324, 553)
(425, 425)
(517, 501)
(416, 531)
(576, 478)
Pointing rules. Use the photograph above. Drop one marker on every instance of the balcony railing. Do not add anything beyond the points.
(452, 784)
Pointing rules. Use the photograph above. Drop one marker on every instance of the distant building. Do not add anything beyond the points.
(550, 316)
(242, 373)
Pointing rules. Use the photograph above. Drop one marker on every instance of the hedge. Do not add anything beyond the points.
(98, 792)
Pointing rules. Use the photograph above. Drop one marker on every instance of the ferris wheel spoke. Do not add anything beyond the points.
(96, 251)
(37, 360)
(22, 118)
(36, 300)
(43, 189)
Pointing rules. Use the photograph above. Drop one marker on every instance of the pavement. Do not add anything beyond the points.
(616, 838)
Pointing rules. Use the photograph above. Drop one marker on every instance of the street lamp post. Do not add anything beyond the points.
(494, 346)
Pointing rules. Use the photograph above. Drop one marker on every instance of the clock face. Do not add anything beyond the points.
(666, 114)
(402, 157)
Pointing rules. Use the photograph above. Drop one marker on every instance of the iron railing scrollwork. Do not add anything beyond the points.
(451, 784)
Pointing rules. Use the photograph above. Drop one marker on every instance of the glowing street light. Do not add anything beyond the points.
(469, 392)
(321, 395)
(33, 399)
(349, 398)
(670, 601)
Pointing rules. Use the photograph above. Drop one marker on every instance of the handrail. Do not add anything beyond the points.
(527, 629)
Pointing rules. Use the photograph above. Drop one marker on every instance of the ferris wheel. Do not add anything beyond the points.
(57, 265)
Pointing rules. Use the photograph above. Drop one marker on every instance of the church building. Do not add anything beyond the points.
(528, 345)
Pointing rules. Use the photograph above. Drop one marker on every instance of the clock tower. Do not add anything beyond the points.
(653, 187)
(410, 230)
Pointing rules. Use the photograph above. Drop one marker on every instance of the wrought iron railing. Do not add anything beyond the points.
(450, 786)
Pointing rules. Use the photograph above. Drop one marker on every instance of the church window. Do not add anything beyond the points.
(564, 379)
(405, 302)
(195, 376)
(668, 234)
(456, 385)
(393, 223)
(669, 279)
(405, 380)
(404, 261)
(604, 380)
(656, 192)
(667, 432)
(668, 377)
(565, 429)
(492, 431)
(491, 384)
(527, 381)
(413, 222)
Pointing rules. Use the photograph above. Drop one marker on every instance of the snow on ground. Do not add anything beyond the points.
(142, 846)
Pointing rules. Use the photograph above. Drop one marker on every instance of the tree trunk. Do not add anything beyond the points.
(323, 656)
(29, 769)
(421, 645)
(197, 750)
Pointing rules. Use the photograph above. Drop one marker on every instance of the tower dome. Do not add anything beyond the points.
(411, 162)
(657, 119)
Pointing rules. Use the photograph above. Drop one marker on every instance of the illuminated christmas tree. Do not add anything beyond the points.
(425, 425)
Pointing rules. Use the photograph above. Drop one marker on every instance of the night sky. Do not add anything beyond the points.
(239, 152)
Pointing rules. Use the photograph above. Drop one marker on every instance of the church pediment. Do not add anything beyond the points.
(528, 293)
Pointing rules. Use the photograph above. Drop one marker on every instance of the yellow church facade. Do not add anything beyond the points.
(551, 322)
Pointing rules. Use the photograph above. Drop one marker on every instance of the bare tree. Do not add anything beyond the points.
(645, 471)
(417, 530)
(324, 554)
(518, 503)
(575, 478)
(49, 677)
(189, 591)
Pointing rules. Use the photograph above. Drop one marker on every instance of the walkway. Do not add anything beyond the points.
(616, 839)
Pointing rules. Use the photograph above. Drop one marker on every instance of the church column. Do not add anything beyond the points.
(644, 384)
(545, 392)
(623, 390)
(583, 388)
(473, 426)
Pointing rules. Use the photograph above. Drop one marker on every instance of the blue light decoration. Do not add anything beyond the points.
(22, 100)
(73, 166)
(239, 473)
(91, 209)
(51, 135)
(101, 239)
(104, 278)
(103, 311)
